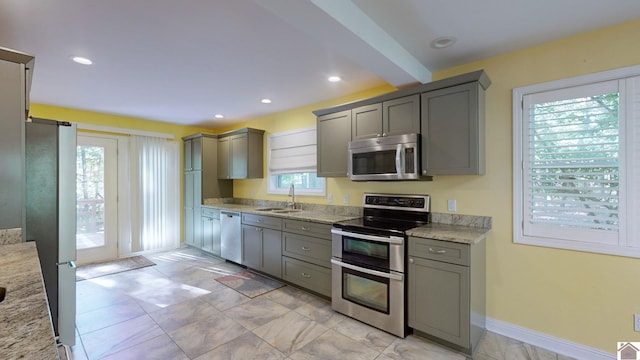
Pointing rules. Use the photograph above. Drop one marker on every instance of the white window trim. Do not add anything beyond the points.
(271, 188)
(628, 245)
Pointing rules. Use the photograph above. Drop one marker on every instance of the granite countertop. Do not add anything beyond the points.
(454, 233)
(26, 330)
(313, 215)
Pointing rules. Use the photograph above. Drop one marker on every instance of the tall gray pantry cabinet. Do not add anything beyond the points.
(201, 182)
(15, 83)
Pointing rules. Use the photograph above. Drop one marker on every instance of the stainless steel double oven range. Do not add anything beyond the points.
(368, 260)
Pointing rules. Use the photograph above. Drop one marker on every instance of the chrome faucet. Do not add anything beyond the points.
(292, 193)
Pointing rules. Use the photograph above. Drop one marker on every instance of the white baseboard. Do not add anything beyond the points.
(557, 345)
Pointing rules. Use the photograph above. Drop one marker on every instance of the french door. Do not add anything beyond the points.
(96, 198)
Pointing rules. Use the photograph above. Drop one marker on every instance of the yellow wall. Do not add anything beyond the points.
(94, 118)
(582, 297)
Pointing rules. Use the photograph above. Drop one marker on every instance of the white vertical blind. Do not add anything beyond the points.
(292, 152)
(155, 194)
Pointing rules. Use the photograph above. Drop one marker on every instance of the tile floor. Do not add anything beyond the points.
(175, 310)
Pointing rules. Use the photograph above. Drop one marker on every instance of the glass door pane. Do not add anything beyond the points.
(90, 189)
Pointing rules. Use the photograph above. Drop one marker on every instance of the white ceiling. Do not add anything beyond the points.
(184, 61)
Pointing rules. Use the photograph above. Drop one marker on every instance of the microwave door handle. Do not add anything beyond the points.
(391, 276)
(399, 161)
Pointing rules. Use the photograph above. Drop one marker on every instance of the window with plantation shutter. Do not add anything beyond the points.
(576, 148)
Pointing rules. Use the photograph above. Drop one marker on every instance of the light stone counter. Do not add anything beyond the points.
(308, 212)
(454, 233)
(25, 324)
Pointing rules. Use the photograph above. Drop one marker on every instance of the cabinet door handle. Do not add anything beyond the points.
(259, 220)
(305, 248)
(258, 229)
(431, 250)
(411, 260)
(305, 228)
(305, 275)
(384, 134)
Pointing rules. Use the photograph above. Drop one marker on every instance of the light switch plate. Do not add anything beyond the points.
(330, 198)
(451, 205)
(345, 198)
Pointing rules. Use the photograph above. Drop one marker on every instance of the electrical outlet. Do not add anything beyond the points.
(451, 205)
(330, 198)
(636, 322)
(345, 198)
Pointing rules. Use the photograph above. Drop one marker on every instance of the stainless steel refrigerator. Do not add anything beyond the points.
(50, 172)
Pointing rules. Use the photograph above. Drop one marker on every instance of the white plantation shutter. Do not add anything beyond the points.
(573, 159)
(576, 158)
(292, 152)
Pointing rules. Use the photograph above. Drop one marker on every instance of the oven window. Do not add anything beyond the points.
(375, 162)
(366, 290)
(365, 252)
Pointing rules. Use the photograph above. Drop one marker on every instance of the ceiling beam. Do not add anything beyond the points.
(354, 19)
(380, 57)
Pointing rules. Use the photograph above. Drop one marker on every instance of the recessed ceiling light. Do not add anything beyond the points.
(334, 78)
(443, 42)
(266, 101)
(81, 60)
(219, 116)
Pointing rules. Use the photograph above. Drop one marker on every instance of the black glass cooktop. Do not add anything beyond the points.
(380, 226)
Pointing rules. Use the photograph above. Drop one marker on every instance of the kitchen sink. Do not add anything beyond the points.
(286, 211)
(270, 209)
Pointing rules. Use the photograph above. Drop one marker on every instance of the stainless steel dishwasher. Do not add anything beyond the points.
(230, 236)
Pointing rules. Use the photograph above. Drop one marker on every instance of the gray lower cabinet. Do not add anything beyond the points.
(446, 296)
(306, 255)
(210, 227)
(333, 136)
(453, 131)
(262, 243)
(192, 208)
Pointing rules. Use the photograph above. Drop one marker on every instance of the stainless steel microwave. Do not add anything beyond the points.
(394, 157)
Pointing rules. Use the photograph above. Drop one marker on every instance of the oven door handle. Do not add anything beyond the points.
(397, 277)
(396, 240)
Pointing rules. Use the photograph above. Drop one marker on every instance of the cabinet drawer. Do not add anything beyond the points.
(446, 251)
(308, 228)
(310, 276)
(311, 249)
(270, 222)
(211, 212)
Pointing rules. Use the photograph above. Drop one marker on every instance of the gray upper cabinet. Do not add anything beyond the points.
(453, 131)
(240, 154)
(448, 113)
(14, 94)
(366, 122)
(334, 134)
(401, 116)
(393, 117)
